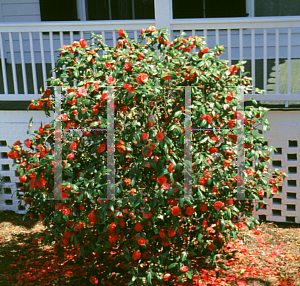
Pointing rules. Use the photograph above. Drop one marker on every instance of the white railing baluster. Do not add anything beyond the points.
(114, 38)
(43, 59)
(289, 61)
(81, 35)
(205, 35)
(265, 60)
(12, 56)
(241, 45)
(23, 64)
(71, 37)
(217, 37)
(277, 59)
(52, 54)
(3, 64)
(253, 59)
(35, 87)
(61, 38)
(229, 46)
(135, 35)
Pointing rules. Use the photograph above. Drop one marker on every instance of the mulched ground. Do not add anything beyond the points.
(270, 258)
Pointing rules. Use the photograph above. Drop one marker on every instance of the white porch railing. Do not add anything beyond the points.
(271, 45)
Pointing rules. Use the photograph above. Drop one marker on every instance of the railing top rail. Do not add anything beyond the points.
(236, 23)
(57, 26)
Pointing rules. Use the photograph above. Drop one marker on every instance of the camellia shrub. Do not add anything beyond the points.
(145, 234)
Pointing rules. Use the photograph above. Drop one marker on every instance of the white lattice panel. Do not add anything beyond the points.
(284, 134)
(13, 127)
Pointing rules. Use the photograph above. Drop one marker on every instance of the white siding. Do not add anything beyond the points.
(20, 11)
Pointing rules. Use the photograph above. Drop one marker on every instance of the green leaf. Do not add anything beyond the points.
(149, 278)
(233, 235)
(76, 73)
(200, 237)
(172, 177)
(189, 274)
(133, 181)
(166, 149)
(173, 74)
(173, 265)
(178, 113)
(222, 224)
(183, 256)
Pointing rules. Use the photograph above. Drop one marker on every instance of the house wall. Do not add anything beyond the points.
(20, 11)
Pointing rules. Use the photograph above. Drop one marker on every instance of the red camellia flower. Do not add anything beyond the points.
(202, 182)
(167, 276)
(260, 192)
(167, 77)
(229, 202)
(273, 190)
(12, 154)
(101, 148)
(73, 146)
(71, 156)
(27, 143)
(144, 136)
(142, 78)
(41, 183)
(136, 255)
(184, 269)
(203, 207)
(171, 231)
(66, 211)
(64, 117)
(143, 31)
(205, 50)
(190, 211)
(138, 227)
(83, 43)
(165, 186)
(161, 180)
(239, 225)
(160, 136)
(161, 233)
(128, 67)
(92, 217)
(170, 168)
(175, 211)
(272, 181)
(80, 92)
(218, 205)
(23, 179)
(121, 33)
(149, 153)
(112, 228)
(206, 117)
(151, 29)
(93, 280)
(141, 241)
(109, 80)
(233, 69)
(127, 182)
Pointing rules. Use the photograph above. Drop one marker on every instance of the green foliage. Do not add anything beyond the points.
(149, 178)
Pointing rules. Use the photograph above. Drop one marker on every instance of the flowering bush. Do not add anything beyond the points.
(142, 232)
